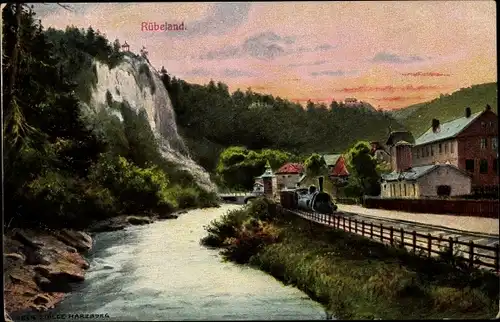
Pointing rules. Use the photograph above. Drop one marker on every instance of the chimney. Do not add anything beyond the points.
(467, 112)
(488, 107)
(435, 125)
(403, 156)
(320, 182)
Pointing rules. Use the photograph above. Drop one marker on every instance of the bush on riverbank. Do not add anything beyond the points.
(356, 278)
(241, 225)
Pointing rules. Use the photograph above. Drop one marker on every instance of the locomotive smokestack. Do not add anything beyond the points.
(320, 182)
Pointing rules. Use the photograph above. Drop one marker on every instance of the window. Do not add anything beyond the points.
(452, 147)
(440, 148)
(422, 152)
(483, 166)
(483, 124)
(405, 189)
(427, 152)
(469, 165)
(483, 143)
(446, 148)
(417, 153)
(400, 190)
(432, 150)
(494, 143)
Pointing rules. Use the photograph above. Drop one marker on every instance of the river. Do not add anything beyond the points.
(160, 272)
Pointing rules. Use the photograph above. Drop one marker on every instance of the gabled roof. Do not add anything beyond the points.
(331, 159)
(397, 136)
(291, 168)
(268, 173)
(417, 172)
(340, 169)
(447, 130)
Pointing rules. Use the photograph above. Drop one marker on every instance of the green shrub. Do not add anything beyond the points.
(252, 236)
(207, 199)
(56, 199)
(140, 190)
(185, 197)
(225, 227)
(262, 209)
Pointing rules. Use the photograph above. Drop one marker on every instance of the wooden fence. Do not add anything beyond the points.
(425, 244)
(459, 207)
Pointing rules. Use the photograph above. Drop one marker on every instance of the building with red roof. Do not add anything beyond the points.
(340, 169)
(339, 172)
(288, 175)
(291, 168)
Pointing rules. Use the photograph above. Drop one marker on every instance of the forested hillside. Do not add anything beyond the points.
(60, 169)
(417, 118)
(211, 119)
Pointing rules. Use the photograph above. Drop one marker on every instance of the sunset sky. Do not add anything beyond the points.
(390, 54)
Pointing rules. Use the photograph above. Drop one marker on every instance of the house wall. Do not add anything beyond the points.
(382, 156)
(469, 148)
(448, 154)
(287, 180)
(400, 189)
(460, 183)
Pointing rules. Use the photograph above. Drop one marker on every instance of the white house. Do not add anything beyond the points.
(421, 182)
(289, 175)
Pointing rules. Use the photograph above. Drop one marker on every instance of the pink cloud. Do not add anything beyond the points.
(427, 74)
(389, 88)
(398, 98)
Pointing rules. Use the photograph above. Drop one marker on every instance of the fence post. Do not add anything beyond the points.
(497, 254)
(451, 246)
(349, 224)
(391, 238)
(471, 254)
(343, 223)
(371, 229)
(356, 226)
(381, 233)
(362, 227)
(329, 220)
(414, 233)
(402, 237)
(429, 245)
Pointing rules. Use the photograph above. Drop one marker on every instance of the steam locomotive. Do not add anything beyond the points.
(308, 199)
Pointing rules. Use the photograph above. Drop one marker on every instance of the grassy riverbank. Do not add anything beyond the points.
(354, 277)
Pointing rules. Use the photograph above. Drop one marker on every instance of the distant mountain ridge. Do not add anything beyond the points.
(418, 117)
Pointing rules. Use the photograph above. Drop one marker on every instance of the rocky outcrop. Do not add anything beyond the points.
(121, 222)
(135, 220)
(41, 266)
(77, 239)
